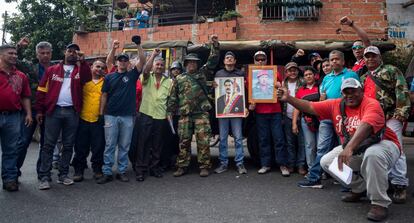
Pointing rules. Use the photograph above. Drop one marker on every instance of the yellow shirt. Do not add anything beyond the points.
(154, 101)
(91, 101)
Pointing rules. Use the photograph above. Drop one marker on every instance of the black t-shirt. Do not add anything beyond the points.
(121, 92)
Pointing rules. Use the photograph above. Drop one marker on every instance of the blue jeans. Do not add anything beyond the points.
(26, 138)
(294, 145)
(326, 140)
(236, 129)
(269, 127)
(63, 120)
(310, 141)
(398, 174)
(9, 137)
(118, 132)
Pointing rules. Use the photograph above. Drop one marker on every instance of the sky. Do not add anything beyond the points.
(10, 8)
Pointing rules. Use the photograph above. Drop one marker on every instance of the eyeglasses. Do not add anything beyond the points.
(357, 47)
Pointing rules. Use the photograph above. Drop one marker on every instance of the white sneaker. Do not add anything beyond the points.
(263, 170)
(65, 180)
(44, 185)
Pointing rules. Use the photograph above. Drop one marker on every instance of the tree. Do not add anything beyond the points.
(51, 20)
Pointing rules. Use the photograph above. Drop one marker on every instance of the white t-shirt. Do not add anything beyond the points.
(290, 108)
(65, 95)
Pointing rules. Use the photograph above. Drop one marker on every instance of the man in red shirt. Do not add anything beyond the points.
(269, 128)
(59, 102)
(14, 94)
(364, 118)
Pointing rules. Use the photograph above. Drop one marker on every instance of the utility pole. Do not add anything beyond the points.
(3, 39)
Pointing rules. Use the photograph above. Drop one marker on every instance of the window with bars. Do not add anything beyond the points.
(289, 10)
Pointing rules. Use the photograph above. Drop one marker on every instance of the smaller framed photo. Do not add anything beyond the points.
(262, 81)
(229, 97)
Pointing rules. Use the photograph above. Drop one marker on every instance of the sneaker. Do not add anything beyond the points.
(400, 194)
(104, 179)
(310, 184)
(241, 169)
(78, 177)
(204, 172)
(264, 170)
(180, 171)
(122, 177)
(65, 180)
(353, 197)
(377, 213)
(285, 171)
(44, 184)
(11, 186)
(221, 169)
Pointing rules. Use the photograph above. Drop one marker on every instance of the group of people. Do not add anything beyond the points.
(134, 106)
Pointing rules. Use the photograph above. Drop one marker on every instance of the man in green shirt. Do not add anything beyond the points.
(156, 86)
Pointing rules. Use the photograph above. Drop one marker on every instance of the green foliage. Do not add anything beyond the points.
(228, 15)
(400, 58)
(51, 20)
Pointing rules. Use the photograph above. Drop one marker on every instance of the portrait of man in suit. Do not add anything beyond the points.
(231, 103)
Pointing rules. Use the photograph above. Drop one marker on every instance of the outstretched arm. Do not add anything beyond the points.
(111, 55)
(359, 31)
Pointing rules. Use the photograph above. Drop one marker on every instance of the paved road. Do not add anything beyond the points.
(219, 198)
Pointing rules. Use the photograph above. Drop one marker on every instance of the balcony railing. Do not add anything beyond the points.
(290, 10)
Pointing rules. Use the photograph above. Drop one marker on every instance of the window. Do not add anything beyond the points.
(289, 10)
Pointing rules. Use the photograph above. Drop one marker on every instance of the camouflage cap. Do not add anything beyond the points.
(191, 56)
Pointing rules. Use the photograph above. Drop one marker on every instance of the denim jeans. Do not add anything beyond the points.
(118, 132)
(269, 127)
(310, 141)
(63, 120)
(325, 143)
(398, 173)
(294, 145)
(236, 129)
(26, 138)
(9, 137)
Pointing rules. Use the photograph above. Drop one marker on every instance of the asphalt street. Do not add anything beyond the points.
(225, 197)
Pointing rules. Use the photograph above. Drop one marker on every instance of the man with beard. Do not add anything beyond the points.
(90, 134)
(59, 102)
(14, 94)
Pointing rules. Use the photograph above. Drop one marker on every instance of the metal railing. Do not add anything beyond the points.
(289, 10)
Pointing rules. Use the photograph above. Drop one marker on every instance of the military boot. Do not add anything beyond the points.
(180, 171)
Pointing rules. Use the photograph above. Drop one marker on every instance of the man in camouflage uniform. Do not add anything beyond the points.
(189, 96)
(387, 84)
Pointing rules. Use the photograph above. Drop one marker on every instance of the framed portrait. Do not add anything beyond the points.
(229, 97)
(262, 81)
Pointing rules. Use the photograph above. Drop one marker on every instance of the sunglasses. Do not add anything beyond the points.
(357, 47)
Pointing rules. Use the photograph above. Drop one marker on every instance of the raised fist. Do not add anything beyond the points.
(345, 21)
(115, 44)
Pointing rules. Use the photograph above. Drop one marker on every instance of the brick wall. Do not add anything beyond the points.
(98, 43)
(368, 14)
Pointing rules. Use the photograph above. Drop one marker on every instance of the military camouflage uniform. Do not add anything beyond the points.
(193, 105)
(395, 98)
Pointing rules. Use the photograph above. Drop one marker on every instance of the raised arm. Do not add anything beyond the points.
(149, 63)
(214, 57)
(111, 55)
(359, 31)
(141, 57)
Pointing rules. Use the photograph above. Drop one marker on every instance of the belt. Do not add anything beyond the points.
(64, 107)
(7, 112)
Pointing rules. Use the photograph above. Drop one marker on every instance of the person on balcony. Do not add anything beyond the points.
(143, 19)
